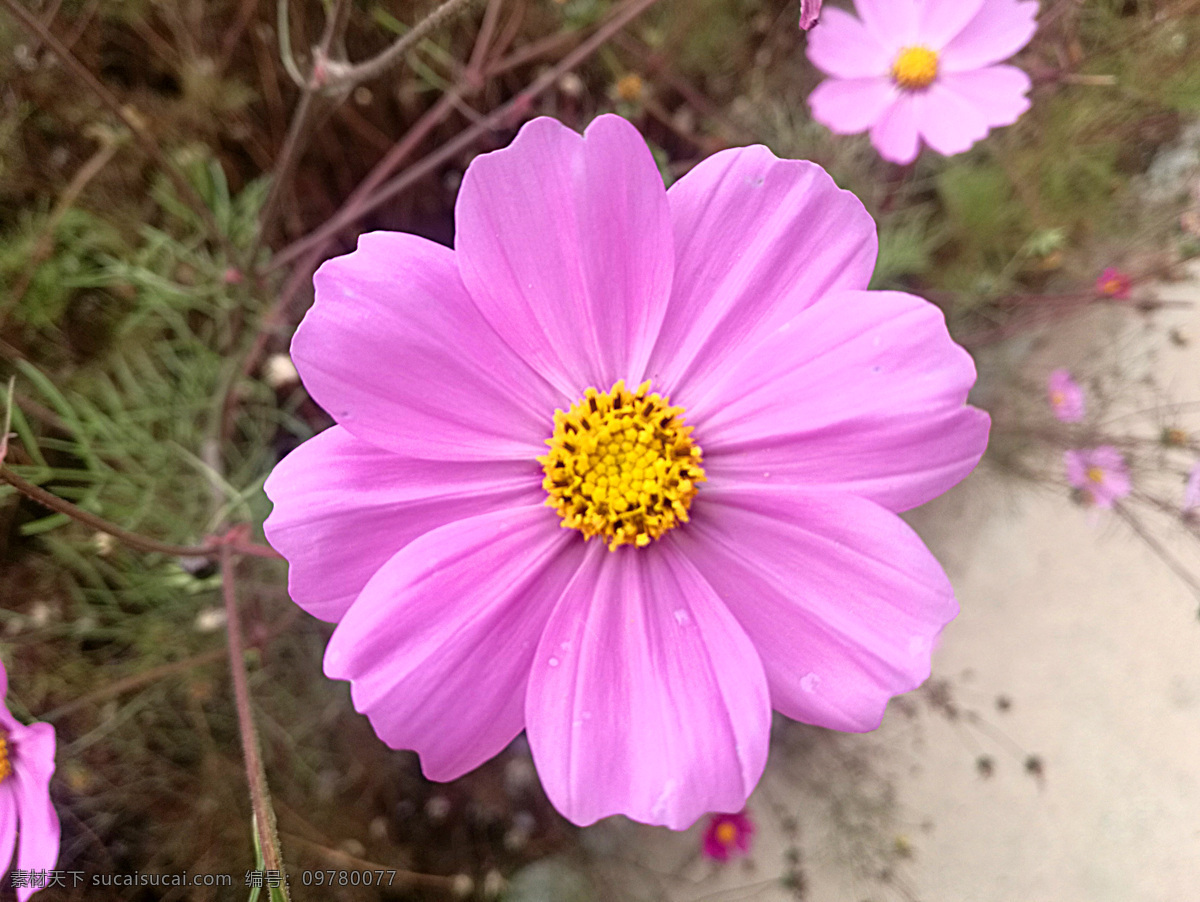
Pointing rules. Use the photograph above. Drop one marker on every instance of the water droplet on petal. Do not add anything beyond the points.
(682, 617)
(553, 662)
(809, 682)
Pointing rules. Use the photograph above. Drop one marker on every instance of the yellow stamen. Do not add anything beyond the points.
(622, 465)
(1095, 474)
(726, 834)
(915, 68)
(1058, 399)
(5, 764)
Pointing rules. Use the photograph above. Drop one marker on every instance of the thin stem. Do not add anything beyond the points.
(284, 27)
(260, 798)
(132, 539)
(120, 687)
(141, 134)
(343, 77)
(293, 144)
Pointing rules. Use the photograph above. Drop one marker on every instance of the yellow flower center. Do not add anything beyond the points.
(726, 834)
(915, 68)
(5, 764)
(1095, 474)
(1113, 286)
(1058, 399)
(622, 465)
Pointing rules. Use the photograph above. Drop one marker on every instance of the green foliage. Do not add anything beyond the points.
(142, 418)
(49, 263)
(906, 244)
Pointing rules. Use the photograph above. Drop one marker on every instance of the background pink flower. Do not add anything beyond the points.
(1101, 473)
(913, 70)
(26, 765)
(727, 836)
(643, 676)
(1066, 397)
(1114, 283)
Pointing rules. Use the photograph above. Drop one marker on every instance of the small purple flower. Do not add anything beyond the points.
(1101, 473)
(26, 764)
(1066, 397)
(727, 836)
(921, 70)
(1114, 283)
(622, 470)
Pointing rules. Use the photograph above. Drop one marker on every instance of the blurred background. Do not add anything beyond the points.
(171, 173)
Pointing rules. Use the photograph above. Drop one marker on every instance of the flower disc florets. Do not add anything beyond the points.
(5, 764)
(622, 465)
(915, 68)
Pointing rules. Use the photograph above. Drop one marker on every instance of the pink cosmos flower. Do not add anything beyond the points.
(1114, 283)
(695, 379)
(727, 836)
(912, 70)
(1066, 397)
(1101, 473)
(26, 764)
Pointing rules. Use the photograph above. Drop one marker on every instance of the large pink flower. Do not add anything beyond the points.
(756, 557)
(912, 70)
(26, 765)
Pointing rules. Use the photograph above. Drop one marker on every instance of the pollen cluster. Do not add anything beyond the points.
(915, 68)
(622, 465)
(5, 764)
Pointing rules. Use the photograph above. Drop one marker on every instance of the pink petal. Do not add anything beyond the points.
(565, 244)
(1076, 465)
(757, 240)
(998, 30)
(35, 749)
(1191, 490)
(997, 92)
(842, 46)
(895, 133)
(646, 698)
(893, 22)
(439, 645)
(810, 11)
(8, 824)
(840, 597)
(948, 122)
(397, 353)
(849, 106)
(39, 830)
(862, 393)
(938, 21)
(344, 507)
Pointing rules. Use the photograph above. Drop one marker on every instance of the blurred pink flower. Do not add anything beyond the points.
(912, 70)
(26, 764)
(810, 11)
(1191, 491)
(1066, 397)
(727, 836)
(770, 570)
(1114, 283)
(1101, 473)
